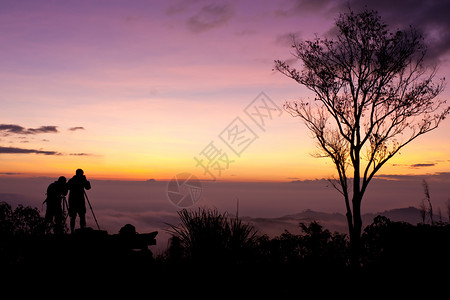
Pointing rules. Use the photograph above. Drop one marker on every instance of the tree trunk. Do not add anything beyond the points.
(355, 235)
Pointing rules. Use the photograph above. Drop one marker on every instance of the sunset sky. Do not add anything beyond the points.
(136, 90)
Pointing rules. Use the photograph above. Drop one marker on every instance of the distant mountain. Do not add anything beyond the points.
(331, 221)
(409, 214)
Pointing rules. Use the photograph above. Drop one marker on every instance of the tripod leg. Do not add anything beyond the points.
(66, 214)
(91, 210)
(72, 224)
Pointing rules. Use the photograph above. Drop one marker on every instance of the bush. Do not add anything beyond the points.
(21, 221)
(206, 235)
(314, 248)
(403, 247)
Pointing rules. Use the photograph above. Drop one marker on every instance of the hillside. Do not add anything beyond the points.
(332, 221)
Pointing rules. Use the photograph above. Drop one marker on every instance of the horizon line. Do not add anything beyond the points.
(389, 177)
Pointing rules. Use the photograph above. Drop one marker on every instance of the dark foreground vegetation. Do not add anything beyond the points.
(212, 253)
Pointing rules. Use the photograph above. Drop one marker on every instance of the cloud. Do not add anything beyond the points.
(416, 166)
(42, 129)
(438, 176)
(209, 17)
(10, 173)
(17, 129)
(76, 128)
(179, 7)
(13, 150)
(296, 7)
(10, 128)
(431, 17)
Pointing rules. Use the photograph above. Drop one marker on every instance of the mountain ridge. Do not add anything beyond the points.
(331, 221)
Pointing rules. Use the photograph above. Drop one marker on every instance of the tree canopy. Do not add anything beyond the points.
(374, 94)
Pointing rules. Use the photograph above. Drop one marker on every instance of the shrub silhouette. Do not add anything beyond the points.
(314, 248)
(209, 236)
(21, 221)
(18, 228)
(401, 246)
(208, 246)
(6, 223)
(322, 248)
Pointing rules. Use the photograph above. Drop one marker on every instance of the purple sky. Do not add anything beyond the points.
(135, 89)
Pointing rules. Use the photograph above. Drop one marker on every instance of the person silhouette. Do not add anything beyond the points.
(77, 205)
(56, 191)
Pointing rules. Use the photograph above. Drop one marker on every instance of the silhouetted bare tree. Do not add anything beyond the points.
(373, 96)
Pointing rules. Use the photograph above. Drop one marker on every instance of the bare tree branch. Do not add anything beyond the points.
(373, 96)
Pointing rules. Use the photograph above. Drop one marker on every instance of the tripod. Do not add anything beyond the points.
(65, 206)
(90, 206)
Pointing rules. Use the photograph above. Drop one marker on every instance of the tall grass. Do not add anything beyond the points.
(207, 235)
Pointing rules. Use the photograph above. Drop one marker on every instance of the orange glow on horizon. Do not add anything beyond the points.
(138, 98)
